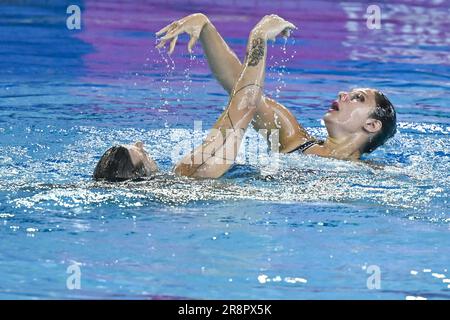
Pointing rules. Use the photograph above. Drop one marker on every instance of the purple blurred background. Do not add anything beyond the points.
(332, 51)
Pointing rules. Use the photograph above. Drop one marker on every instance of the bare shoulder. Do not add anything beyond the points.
(292, 133)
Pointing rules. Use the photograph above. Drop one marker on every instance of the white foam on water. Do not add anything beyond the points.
(411, 179)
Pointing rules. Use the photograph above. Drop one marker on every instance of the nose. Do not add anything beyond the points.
(343, 96)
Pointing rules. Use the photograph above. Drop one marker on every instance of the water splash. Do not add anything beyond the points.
(166, 90)
(404, 178)
(278, 65)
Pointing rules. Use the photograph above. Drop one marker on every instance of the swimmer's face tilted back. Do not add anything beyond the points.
(349, 112)
(362, 111)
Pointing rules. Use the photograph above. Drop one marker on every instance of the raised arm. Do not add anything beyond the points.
(219, 150)
(222, 61)
(226, 68)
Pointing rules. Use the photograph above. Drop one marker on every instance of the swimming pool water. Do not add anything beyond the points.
(309, 230)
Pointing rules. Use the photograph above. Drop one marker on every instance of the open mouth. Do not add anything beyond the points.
(334, 106)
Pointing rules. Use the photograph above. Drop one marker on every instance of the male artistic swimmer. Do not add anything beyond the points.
(357, 122)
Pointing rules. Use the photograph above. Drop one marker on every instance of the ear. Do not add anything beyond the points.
(373, 125)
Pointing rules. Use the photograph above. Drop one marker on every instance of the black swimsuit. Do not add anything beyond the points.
(305, 146)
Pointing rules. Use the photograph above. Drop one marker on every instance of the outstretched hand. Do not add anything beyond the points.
(192, 25)
(271, 26)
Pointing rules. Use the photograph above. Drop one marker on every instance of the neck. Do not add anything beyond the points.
(344, 147)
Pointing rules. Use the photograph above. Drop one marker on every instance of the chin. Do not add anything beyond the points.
(331, 124)
(328, 118)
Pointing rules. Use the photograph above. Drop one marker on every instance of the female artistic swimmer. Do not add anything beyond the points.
(357, 122)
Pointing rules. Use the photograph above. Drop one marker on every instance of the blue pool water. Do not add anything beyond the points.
(311, 231)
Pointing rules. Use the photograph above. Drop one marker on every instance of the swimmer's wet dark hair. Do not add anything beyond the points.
(385, 112)
(116, 165)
